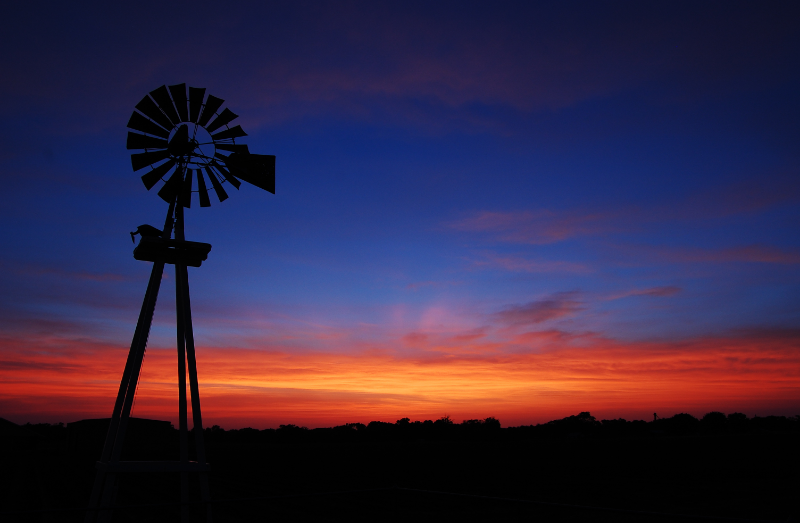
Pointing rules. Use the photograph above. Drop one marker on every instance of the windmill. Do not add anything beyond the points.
(183, 138)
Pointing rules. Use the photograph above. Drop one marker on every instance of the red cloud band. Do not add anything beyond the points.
(534, 377)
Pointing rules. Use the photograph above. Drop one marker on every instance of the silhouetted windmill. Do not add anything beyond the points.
(175, 133)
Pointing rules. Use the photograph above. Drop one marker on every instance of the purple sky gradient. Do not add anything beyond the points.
(623, 169)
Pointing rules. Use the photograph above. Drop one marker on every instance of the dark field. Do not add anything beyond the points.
(408, 472)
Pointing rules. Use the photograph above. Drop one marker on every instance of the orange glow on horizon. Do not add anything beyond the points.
(555, 376)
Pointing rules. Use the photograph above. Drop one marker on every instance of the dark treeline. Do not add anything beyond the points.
(719, 465)
(582, 425)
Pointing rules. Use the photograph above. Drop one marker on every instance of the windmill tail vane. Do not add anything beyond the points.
(183, 137)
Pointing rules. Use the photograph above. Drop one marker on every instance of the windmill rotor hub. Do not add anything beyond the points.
(196, 152)
(187, 141)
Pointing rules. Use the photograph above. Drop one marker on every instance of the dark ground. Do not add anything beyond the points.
(726, 469)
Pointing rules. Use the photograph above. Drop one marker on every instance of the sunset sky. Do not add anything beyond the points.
(503, 209)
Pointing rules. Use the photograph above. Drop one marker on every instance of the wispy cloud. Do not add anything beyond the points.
(534, 227)
(549, 226)
(511, 263)
(417, 285)
(553, 307)
(526, 57)
(764, 190)
(658, 292)
(755, 253)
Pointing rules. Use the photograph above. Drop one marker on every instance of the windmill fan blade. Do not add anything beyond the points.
(196, 95)
(255, 169)
(171, 188)
(234, 132)
(151, 178)
(203, 192)
(186, 195)
(228, 176)
(179, 144)
(212, 104)
(221, 194)
(178, 93)
(140, 123)
(161, 96)
(149, 108)
(233, 147)
(142, 160)
(226, 116)
(140, 141)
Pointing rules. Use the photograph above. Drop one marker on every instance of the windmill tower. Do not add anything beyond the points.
(184, 138)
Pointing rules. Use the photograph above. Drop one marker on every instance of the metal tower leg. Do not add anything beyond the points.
(104, 483)
(182, 283)
(182, 414)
